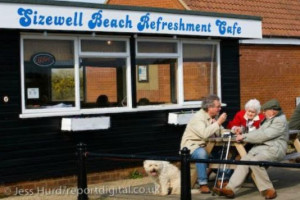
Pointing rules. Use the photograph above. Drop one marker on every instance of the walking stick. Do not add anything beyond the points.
(218, 171)
(226, 157)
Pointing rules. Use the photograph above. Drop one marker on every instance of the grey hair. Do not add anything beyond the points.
(253, 104)
(209, 101)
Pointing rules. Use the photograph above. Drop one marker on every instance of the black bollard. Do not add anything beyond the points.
(185, 174)
(81, 177)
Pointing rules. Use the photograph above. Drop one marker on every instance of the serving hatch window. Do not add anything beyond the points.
(49, 74)
(84, 75)
(103, 82)
(156, 67)
(199, 70)
(62, 74)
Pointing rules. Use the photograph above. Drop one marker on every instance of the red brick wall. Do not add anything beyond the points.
(101, 81)
(270, 72)
(196, 80)
(163, 92)
(196, 83)
(172, 4)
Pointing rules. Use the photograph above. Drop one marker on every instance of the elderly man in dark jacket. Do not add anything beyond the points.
(270, 145)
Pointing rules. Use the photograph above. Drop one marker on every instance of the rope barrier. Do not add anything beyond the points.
(133, 157)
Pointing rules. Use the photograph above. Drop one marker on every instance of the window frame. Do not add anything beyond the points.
(158, 55)
(218, 75)
(76, 38)
(125, 55)
(179, 57)
(23, 89)
(45, 112)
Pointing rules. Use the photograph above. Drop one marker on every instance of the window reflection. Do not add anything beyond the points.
(160, 87)
(199, 71)
(103, 82)
(49, 74)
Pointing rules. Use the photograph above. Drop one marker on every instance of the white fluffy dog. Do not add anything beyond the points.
(166, 176)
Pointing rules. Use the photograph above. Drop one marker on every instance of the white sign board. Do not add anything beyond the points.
(84, 124)
(33, 93)
(46, 17)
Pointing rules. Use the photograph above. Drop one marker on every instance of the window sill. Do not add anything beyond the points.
(108, 111)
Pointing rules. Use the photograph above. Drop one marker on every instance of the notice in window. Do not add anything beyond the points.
(33, 93)
(143, 73)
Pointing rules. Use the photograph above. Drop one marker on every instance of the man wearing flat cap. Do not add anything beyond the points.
(270, 144)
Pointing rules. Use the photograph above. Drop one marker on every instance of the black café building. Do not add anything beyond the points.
(114, 77)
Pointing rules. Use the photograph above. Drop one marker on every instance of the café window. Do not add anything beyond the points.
(101, 46)
(199, 70)
(157, 47)
(49, 75)
(74, 74)
(103, 82)
(84, 75)
(103, 73)
(156, 77)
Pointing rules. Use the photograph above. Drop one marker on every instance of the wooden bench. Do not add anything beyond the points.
(292, 156)
(213, 142)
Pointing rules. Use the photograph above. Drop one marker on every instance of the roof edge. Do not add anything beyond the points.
(132, 8)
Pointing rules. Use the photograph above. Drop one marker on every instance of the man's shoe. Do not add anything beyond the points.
(225, 182)
(270, 194)
(204, 189)
(224, 192)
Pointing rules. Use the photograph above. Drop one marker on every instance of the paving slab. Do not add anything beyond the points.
(286, 182)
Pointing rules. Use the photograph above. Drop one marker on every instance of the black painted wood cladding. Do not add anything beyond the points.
(32, 149)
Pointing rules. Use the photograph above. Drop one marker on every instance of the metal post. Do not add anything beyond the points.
(81, 177)
(185, 175)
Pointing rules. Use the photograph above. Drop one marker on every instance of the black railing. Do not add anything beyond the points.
(184, 158)
(82, 176)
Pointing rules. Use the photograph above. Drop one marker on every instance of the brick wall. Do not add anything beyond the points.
(101, 81)
(161, 94)
(270, 72)
(171, 4)
(196, 80)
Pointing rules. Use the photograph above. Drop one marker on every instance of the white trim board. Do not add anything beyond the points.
(271, 41)
(69, 18)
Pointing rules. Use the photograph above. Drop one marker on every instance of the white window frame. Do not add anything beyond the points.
(180, 68)
(179, 57)
(76, 78)
(47, 112)
(36, 113)
(156, 55)
(125, 55)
